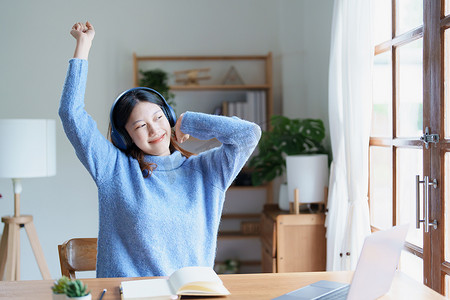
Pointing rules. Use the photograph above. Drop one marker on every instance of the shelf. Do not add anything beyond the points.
(244, 262)
(236, 235)
(241, 216)
(248, 187)
(197, 57)
(218, 87)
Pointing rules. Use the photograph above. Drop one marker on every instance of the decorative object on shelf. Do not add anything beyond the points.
(191, 76)
(283, 197)
(250, 227)
(28, 150)
(232, 77)
(287, 137)
(59, 288)
(157, 79)
(76, 289)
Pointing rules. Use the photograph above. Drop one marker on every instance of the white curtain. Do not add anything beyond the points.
(350, 110)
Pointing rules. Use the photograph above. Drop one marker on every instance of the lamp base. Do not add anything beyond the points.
(10, 247)
(307, 208)
(320, 207)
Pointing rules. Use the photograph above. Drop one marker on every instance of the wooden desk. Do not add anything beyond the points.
(241, 286)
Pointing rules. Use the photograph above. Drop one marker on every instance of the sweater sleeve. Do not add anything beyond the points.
(239, 138)
(95, 152)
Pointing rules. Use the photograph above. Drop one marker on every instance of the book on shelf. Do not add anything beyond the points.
(188, 281)
(225, 106)
(262, 112)
(253, 109)
(256, 108)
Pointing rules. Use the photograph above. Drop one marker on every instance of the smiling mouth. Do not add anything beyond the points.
(157, 140)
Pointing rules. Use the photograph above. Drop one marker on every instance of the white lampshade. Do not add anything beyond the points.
(27, 148)
(308, 174)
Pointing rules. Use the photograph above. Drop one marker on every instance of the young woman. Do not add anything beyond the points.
(159, 207)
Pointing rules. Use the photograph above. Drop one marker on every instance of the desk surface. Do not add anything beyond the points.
(241, 286)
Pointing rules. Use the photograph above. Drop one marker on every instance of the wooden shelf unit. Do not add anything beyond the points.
(218, 87)
(267, 87)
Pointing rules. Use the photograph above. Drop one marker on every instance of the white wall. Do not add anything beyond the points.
(36, 46)
(305, 31)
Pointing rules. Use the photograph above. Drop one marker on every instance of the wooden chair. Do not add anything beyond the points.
(77, 254)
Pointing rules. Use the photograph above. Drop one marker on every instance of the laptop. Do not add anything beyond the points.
(373, 275)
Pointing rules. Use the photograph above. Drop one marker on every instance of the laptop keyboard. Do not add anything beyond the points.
(340, 294)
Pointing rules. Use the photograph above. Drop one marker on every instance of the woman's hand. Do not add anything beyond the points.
(84, 34)
(179, 135)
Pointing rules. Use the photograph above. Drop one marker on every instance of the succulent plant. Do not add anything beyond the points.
(59, 287)
(76, 288)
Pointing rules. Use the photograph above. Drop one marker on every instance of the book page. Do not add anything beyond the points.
(146, 289)
(197, 281)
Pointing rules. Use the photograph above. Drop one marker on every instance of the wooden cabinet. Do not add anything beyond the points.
(292, 243)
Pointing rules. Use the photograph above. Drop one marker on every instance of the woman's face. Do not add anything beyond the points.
(149, 129)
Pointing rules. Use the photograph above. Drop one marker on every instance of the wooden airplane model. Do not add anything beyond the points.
(191, 76)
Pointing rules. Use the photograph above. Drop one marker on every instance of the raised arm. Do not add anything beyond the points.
(84, 34)
(95, 152)
(238, 137)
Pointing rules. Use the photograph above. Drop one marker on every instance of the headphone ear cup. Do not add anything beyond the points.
(122, 141)
(119, 140)
(171, 116)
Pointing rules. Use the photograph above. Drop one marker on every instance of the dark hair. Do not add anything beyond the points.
(120, 115)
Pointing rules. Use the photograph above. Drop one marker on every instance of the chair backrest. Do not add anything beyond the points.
(78, 254)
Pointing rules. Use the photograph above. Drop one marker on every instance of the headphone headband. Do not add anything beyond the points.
(124, 142)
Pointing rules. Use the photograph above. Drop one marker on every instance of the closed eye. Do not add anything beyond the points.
(141, 125)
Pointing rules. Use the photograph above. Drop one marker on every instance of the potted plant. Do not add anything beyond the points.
(157, 79)
(59, 288)
(76, 289)
(288, 137)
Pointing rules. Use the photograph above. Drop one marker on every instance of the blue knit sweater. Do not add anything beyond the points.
(156, 225)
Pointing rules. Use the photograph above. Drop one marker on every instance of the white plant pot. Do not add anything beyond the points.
(308, 174)
(58, 296)
(87, 297)
(283, 198)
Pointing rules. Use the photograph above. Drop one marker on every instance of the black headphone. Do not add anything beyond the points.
(124, 142)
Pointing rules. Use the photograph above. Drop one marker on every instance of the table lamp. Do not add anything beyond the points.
(307, 177)
(28, 149)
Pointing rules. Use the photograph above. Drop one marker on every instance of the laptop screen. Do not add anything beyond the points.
(377, 263)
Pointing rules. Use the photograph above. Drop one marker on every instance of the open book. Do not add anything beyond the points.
(194, 281)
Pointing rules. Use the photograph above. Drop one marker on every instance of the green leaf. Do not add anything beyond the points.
(287, 137)
(157, 79)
